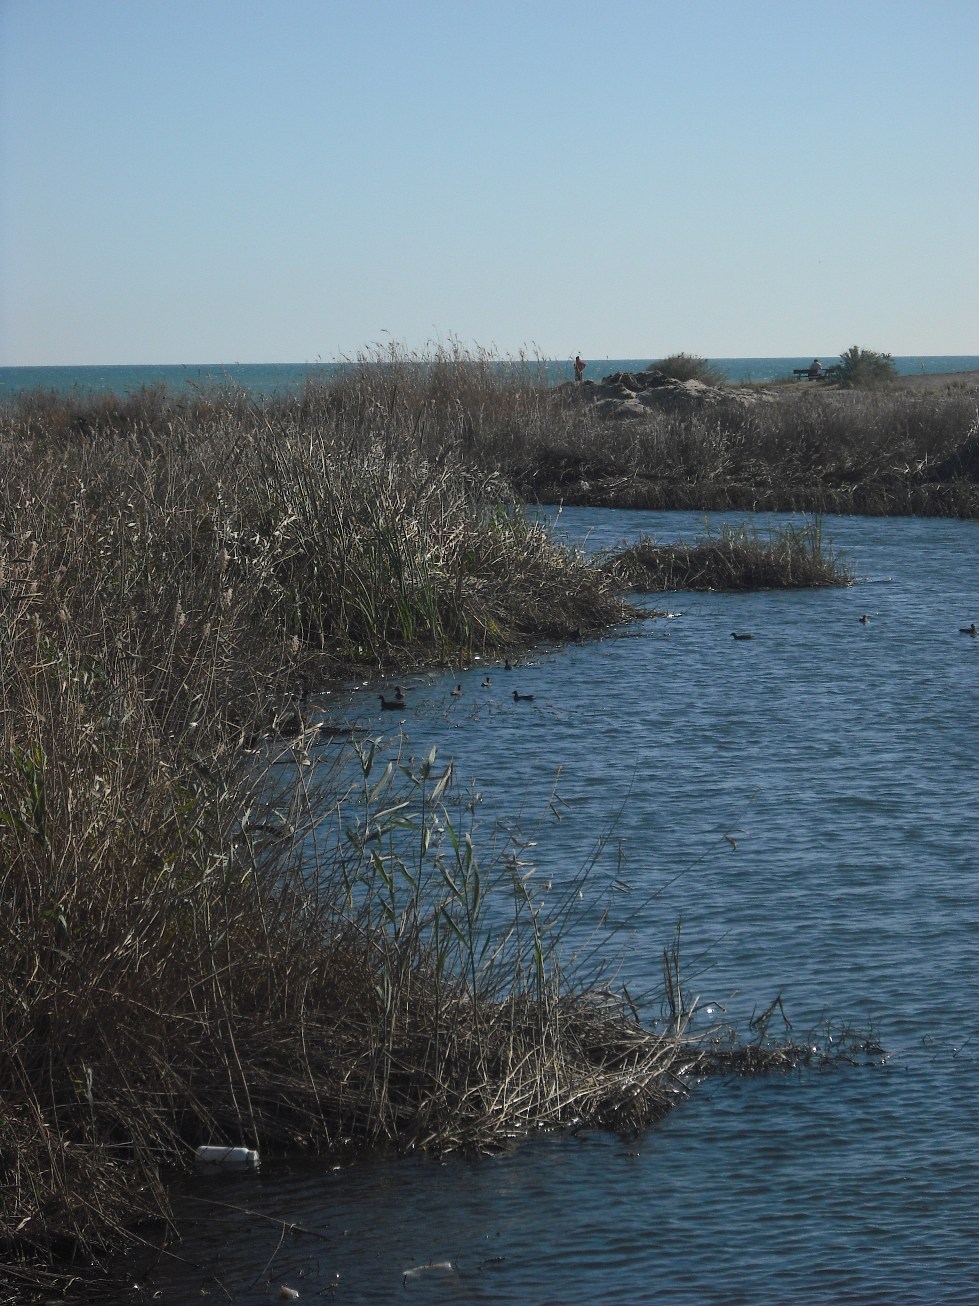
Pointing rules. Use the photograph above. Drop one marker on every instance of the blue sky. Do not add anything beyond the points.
(214, 181)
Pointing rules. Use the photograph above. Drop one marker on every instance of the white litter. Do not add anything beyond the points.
(226, 1158)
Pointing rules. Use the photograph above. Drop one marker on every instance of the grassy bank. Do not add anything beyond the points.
(174, 578)
(182, 960)
(897, 449)
(892, 451)
(733, 559)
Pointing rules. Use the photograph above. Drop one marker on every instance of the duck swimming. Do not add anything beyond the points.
(522, 698)
(391, 704)
(969, 630)
(735, 635)
(457, 692)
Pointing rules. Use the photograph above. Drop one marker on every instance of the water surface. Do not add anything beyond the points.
(261, 379)
(839, 759)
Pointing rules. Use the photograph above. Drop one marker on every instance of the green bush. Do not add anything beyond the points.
(689, 367)
(865, 368)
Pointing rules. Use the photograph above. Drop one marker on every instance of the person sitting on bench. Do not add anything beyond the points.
(815, 367)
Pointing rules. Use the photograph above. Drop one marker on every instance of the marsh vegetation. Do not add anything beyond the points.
(793, 557)
(797, 448)
(182, 962)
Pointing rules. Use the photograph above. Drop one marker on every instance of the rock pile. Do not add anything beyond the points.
(630, 395)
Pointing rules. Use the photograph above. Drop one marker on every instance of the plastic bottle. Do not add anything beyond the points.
(226, 1158)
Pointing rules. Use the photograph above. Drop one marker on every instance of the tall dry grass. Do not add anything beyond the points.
(733, 558)
(175, 965)
(183, 957)
(875, 452)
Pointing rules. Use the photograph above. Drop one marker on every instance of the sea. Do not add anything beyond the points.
(803, 806)
(269, 379)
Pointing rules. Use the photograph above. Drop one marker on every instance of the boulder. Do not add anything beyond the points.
(625, 395)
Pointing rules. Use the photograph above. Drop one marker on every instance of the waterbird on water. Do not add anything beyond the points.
(457, 692)
(864, 619)
(391, 704)
(487, 682)
(969, 630)
(735, 635)
(522, 698)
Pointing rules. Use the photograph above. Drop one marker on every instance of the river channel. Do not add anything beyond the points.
(806, 803)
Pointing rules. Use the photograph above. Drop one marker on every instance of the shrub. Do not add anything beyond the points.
(865, 368)
(689, 367)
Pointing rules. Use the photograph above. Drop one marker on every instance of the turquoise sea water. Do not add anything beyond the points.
(287, 378)
(839, 758)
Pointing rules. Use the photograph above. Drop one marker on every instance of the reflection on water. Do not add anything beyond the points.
(838, 758)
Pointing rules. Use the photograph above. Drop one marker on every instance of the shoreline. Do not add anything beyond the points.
(938, 381)
(178, 576)
(270, 381)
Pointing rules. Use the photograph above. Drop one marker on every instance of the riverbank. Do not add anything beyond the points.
(908, 448)
(835, 753)
(181, 965)
(645, 441)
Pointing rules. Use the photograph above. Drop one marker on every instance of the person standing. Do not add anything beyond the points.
(579, 367)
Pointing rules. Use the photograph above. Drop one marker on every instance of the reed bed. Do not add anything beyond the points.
(175, 576)
(190, 956)
(875, 452)
(733, 558)
(193, 949)
(784, 448)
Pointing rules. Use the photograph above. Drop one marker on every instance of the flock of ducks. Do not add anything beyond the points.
(290, 724)
(398, 702)
(864, 620)
(972, 630)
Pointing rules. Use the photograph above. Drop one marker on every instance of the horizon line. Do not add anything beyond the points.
(501, 358)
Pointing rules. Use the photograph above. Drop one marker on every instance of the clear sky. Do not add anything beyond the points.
(205, 181)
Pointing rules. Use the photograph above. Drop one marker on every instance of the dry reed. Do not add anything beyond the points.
(879, 452)
(735, 558)
(183, 959)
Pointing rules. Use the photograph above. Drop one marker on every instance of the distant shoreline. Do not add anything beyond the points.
(938, 380)
(262, 380)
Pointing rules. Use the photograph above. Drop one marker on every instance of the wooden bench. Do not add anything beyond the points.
(824, 374)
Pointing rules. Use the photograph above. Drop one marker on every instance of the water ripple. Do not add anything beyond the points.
(839, 760)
